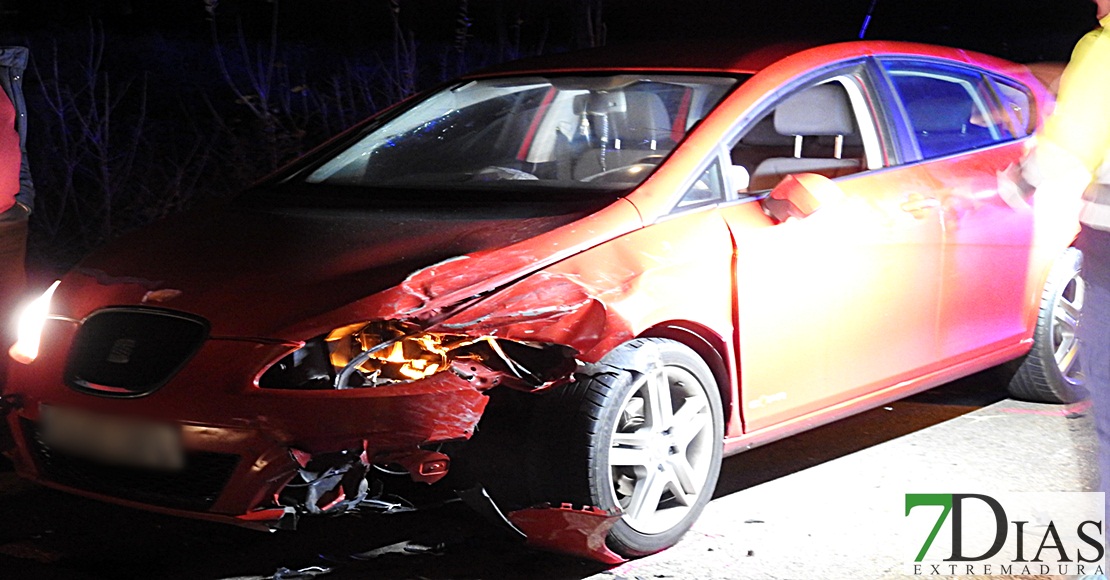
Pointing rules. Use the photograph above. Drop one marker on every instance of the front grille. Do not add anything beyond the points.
(194, 488)
(130, 352)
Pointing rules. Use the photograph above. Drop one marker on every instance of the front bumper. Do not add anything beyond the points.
(242, 444)
(246, 447)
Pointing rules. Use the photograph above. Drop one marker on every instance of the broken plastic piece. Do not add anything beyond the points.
(569, 530)
(301, 457)
(381, 506)
(282, 518)
(327, 482)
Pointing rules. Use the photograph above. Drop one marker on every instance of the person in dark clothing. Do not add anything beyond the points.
(17, 193)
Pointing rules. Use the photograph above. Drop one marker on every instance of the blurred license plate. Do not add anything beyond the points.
(116, 440)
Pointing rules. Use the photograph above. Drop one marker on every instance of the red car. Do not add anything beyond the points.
(562, 289)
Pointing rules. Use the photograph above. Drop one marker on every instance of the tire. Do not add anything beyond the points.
(1051, 372)
(606, 444)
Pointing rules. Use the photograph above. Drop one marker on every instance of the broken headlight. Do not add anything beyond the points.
(383, 353)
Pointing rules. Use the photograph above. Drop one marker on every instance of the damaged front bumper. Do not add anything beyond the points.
(262, 458)
(240, 445)
(288, 456)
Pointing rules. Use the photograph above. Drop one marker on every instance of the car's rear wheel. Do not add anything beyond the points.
(640, 434)
(1051, 372)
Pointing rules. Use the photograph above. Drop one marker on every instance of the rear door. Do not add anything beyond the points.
(966, 126)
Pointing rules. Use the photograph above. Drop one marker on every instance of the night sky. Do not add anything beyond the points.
(181, 133)
(1023, 29)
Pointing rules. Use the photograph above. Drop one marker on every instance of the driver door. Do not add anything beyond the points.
(843, 301)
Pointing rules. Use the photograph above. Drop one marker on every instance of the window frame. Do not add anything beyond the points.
(866, 79)
(995, 81)
(856, 77)
(984, 91)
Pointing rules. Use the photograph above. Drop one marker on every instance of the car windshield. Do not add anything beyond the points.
(590, 133)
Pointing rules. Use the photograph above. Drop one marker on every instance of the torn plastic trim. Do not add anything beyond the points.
(560, 528)
(343, 481)
(566, 529)
(326, 482)
(271, 519)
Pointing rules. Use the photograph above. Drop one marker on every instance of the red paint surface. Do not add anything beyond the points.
(816, 318)
(579, 532)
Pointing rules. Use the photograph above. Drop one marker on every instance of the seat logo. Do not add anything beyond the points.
(121, 351)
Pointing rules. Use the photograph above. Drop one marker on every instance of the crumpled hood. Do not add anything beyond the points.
(255, 273)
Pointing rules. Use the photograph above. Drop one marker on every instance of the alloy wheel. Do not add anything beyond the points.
(661, 449)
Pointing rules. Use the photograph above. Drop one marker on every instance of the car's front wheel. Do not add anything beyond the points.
(1051, 372)
(637, 434)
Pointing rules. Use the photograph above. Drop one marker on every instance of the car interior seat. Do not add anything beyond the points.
(943, 123)
(618, 128)
(812, 115)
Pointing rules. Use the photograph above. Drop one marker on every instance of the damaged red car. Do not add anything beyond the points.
(561, 289)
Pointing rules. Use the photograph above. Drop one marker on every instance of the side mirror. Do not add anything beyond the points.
(800, 195)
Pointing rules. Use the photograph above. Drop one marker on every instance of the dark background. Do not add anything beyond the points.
(1021, 30)
(132, 116)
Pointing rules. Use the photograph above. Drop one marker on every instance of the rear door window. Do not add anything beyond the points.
(948, 109)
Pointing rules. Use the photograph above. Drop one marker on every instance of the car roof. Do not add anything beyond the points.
(723, 57)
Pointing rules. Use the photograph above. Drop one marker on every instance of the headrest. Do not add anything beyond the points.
(646, 118)
(634, 116)
(763, 134)
(820, 110)
(600, 103)
(940, 114)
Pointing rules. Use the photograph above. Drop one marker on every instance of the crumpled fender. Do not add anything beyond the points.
(546, 307)
(466, 288)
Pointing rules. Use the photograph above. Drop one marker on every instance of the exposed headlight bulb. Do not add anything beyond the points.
(31, 321)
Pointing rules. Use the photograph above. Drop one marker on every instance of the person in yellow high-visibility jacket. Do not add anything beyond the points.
(1070, 169)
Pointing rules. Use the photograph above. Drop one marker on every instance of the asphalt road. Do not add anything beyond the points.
(824, 504)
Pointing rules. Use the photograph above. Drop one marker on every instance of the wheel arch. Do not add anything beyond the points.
(712, 349)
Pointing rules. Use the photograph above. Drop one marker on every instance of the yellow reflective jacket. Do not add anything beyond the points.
(1077, 134)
